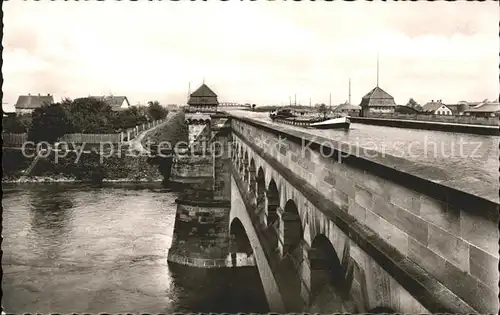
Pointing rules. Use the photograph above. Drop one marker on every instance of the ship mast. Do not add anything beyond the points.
(349, 91)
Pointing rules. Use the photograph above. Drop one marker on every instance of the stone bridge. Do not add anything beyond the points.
(335, 232)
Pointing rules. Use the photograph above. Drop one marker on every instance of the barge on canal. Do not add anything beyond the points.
(287, 117)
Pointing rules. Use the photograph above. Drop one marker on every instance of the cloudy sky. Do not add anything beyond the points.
(260, 52)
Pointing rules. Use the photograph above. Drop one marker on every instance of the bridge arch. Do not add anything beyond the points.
(273, 203)
(261, 193)
(252, 178)
(244, 165)
(234, 150)
(292, 227)
(326, 269)
(239, 238)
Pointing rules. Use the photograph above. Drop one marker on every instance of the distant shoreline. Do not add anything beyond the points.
(52, 179)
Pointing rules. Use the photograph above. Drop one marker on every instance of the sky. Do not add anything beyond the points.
(262, 52)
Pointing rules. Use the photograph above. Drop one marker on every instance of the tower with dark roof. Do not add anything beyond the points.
(377, 101)
(203, 100)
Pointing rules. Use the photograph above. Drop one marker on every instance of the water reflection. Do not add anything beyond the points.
(50, 211)
(76, 248)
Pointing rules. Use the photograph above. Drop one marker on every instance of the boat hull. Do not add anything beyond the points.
(344, 125)
(334, 123)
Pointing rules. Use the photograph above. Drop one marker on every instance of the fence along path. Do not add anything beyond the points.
(17, 139)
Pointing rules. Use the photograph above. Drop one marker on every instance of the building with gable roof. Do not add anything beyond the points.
(485, 109)
(203, 100)
(437, 108)
(377, 101)
(349, 109)
(26, 104)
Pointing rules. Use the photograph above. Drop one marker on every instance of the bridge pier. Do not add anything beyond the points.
(202, 236)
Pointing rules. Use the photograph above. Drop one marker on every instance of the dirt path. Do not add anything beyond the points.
(136, 144)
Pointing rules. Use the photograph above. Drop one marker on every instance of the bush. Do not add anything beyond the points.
(50, 122)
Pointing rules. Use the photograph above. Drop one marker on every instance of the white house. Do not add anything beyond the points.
(437, 108)
(26, 104)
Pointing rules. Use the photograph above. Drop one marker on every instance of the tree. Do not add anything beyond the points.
(90, 115)
(128, 118)
(156, 111)
(50, 122)
(413, 104)
(253, 106)
(322, 109)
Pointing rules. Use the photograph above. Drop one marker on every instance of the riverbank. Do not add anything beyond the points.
(63, 179)
(94, 167)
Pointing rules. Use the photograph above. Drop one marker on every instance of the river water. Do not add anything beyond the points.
(76, 248)
(463, 161)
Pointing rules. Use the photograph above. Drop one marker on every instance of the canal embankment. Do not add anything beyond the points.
(480, 129)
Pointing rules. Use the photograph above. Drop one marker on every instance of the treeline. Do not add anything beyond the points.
(84, 115)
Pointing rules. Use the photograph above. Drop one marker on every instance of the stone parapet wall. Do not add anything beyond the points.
(451, 234)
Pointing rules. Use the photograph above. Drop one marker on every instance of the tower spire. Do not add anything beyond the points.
(377, 68)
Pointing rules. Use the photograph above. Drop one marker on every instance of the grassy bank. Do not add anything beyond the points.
(91, 166)
(173, 132)
(88, 167)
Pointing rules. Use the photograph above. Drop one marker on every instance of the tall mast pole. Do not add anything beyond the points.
(330, 102)
(295, 100)
(349, 91)
(377, 68)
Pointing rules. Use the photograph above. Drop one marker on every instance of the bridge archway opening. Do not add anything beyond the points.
(245, 167)
(261, 191)
(292, 227)
(239, 239)
(326, 269)
(252, 177)
(273, 202)
(234, 152)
